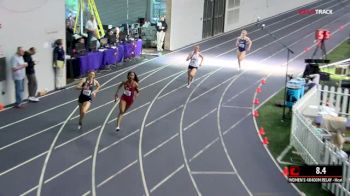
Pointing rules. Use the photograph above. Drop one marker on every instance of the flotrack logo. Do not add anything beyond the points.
(315, 11)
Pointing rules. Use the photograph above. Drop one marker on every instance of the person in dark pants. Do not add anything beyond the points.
(30, 72)
(161, 29)
(58, 64)
(69, 37)
(18, 74)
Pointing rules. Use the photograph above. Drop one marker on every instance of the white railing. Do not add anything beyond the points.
(311, 142)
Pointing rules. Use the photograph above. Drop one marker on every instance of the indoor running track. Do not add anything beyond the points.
(174, 140)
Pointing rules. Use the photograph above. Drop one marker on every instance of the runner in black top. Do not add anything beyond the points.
(86, 85)
(242, 43)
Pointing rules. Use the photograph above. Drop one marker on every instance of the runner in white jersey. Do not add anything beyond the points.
(195, 62)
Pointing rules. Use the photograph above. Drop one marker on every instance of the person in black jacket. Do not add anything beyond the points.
(30, 72)
(161, 29)
(69, 37)
(58, 64)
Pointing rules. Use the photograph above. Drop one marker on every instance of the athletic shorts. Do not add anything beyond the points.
(191, 67)
(83, 98)
(128, 99)
(241, 49)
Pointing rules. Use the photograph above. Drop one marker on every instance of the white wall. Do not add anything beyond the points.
(186, 17)
(27, 23)
(250, 10)
(186, 22)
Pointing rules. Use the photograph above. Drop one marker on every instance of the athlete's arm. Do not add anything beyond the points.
(80, 84)
(200, 55)
(189, 56)
(116, 94)
(250, 43)
(98, 86)
(137, 88)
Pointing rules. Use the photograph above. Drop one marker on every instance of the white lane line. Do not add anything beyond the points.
(29, 191)
(203, 149)
(222, 138)
(236, 107)
(247, 88)
(140, 157)
(215, 87)
(161, 145)
(42, 173)
(44, 153)
(213, 173)
(118, 141)
(94, 157)
(182, 86)
(234, 125)
(130, 111)
(164, 115)
(66, 170)
(167, 178)
(119, 172)
(197, 121)
(181, 132)
(37, 114)
(163, 79)
(23, 163)
(75, 138)
(30, 136)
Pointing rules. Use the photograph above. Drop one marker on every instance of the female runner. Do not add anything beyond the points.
(131, 90)
(87, 86)
(242, 43)
(194, 64)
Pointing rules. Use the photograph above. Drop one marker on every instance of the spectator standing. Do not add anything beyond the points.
(30, 72)
(58, 64)
(18, 73)
(91, 30)
(161, 29)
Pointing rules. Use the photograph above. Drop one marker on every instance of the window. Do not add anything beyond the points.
(158, 9)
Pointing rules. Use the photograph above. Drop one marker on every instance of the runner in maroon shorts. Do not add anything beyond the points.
(131, 90)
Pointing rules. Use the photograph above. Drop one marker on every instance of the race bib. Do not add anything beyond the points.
(87, 92)
(241, 45)
(127, 93)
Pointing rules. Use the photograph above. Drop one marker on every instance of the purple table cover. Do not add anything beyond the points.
(98, 60)
(138, 49)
